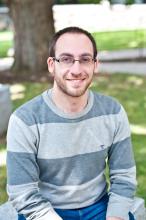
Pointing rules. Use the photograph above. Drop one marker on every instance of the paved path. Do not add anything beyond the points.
(122, 54)
(110, 62)
(137, 68)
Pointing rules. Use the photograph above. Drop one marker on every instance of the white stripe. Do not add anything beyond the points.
(59, 140)
(20, 137)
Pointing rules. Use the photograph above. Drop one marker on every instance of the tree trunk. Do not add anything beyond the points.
(33, 28)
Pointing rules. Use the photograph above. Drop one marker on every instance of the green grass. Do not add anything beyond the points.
(3, 195)
(115, 40)
(120, 39)
(30, 90)
(5, 46)
(139, 143)
(6, 42)
(130, 91)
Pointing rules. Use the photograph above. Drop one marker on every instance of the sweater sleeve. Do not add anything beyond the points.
(122, 170)
(23, 173)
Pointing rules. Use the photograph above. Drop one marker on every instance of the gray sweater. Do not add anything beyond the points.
(57, 160)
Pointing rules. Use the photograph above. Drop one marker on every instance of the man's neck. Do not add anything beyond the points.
(68, 104)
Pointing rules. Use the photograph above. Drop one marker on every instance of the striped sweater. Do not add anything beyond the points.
(57, 160)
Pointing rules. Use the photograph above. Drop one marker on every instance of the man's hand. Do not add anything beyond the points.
(114, 218)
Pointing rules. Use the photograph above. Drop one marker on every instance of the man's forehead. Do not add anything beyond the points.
(73, 41)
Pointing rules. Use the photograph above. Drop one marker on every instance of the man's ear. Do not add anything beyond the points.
(96, 64)
(50, 64)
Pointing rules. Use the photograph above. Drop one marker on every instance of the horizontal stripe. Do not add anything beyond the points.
(42, 110)
(74, 196)
(22, 168)
(71, 138)
(74, 170)
(58, 171)
(98, 105)
(20, 137)
(121, 155)
(123, 188)
(67, 140)
(128, 175)
(67, 197)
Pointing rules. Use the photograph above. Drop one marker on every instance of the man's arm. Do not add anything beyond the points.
(122, 170)
(23, 172)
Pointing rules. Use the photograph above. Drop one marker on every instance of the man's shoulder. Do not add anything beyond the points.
(30, 109)
(108, 104)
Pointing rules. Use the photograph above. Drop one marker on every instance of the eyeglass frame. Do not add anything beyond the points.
(73, 60)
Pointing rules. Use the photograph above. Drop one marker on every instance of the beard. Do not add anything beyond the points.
(71, 88)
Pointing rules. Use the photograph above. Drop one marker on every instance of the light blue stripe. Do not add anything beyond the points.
(123, 188)
(22, 168)
(74, 170)
(74, 196)
(65, 171)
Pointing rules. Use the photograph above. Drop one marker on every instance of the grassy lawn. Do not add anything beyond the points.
(3, 195)
(120, 40)
(128, 89)
(105, 40)
(6, 42)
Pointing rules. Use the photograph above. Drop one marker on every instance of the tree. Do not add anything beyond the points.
(33, 28)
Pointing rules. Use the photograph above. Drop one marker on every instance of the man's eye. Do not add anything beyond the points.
(66, 59)
(85, 59)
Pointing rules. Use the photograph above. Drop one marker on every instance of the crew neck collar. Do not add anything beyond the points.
(48, 100)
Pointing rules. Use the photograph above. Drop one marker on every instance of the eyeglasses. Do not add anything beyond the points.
(68, 61)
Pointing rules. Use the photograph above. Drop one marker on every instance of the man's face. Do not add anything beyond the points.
(72, 80)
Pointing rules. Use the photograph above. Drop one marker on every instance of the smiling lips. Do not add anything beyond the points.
(76, 82)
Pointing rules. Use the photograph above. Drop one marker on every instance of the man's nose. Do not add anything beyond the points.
(76, 67)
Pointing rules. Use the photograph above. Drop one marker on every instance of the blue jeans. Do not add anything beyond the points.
(97, 211)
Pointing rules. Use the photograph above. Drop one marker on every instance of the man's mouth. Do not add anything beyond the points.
(76, 82)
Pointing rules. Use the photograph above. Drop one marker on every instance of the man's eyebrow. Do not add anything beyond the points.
(86, 54)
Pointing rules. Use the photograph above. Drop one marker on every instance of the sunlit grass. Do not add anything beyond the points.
(129, 90)
(30, 90)
(3, 194)
(139, 143)
(4, 47)
(6, 42)
(120, 39)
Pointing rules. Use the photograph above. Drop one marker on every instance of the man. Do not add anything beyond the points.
(59, 142)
